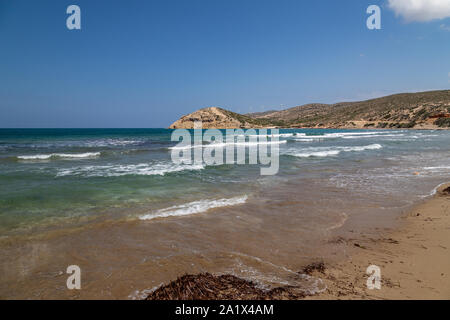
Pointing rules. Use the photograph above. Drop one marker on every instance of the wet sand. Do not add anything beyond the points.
(414, 261)
(245, 252)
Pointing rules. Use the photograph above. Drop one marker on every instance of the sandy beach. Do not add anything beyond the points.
(414, 261)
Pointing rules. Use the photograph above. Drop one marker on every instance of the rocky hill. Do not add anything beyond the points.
(423, 110)
(219, 118)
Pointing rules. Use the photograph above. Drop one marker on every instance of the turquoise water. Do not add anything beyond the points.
(112, 202)
(51, 177)
(54, 177)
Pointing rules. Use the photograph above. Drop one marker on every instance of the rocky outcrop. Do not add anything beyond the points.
(217, 118)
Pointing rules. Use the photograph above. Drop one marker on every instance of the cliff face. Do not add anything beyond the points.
(423, 110)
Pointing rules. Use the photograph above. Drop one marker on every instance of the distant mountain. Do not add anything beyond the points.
(422, 110)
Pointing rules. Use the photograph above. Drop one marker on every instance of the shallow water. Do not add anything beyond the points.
(113, 202)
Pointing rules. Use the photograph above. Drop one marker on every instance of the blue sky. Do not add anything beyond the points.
(146, 63)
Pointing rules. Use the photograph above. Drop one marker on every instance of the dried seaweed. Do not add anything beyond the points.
(206, 286)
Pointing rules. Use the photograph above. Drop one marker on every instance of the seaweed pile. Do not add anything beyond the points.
(205, 286)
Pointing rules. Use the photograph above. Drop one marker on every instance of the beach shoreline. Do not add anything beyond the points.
(413, 259)
(131, 219)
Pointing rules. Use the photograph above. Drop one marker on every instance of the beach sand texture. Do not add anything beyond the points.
(414, 262)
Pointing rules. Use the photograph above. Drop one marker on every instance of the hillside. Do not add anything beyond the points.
(423, 110)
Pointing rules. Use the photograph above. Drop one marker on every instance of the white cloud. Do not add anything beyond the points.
(445, 27)
(420, 10)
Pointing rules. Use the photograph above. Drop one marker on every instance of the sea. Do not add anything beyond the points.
(113, 202)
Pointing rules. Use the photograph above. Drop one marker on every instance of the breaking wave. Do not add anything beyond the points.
(60, 156)
(194, 207)
(224, 144)
(280, 135)
(325, 152)
(347, 135)
(143, 169)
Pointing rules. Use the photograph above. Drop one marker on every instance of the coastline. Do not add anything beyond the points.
(329, 196)
(414, 261)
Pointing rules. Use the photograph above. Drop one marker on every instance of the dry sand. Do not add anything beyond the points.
(414, 260)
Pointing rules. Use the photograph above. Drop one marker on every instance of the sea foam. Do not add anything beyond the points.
(142, 169)
(194, 207)
(347, 135)
(224, 144)
(332, 151)
(61, 156)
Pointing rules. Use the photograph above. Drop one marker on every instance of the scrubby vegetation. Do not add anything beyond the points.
(443, 122)
(396, 111)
